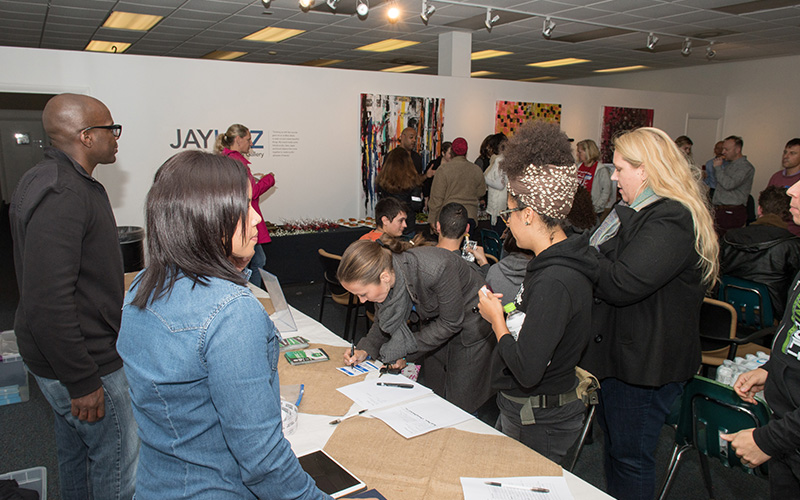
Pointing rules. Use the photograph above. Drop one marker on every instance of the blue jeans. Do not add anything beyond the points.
(631, 418)
(95, 460)
(256, 263)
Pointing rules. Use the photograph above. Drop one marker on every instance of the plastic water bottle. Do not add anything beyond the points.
(725, 372)
(514, 320)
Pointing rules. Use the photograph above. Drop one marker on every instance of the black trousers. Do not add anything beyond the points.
(784, 476)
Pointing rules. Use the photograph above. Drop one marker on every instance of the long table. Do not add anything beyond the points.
(315, 432)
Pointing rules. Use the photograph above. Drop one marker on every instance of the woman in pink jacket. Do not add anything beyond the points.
(236, 142)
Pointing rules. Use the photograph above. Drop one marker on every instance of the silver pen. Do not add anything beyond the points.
(515, 487)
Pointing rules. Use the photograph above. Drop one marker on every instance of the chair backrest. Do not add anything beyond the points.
(749, 298)
(708, 409)
(491, 242)
(717, 321)
(330, 264)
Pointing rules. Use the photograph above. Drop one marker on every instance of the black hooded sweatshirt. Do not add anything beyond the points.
(556, 297)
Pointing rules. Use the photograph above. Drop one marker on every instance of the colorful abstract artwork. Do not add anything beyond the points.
(383, 118)
(618, 120)
(511, 115)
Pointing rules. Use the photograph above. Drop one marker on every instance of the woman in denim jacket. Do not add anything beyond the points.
(200, 352)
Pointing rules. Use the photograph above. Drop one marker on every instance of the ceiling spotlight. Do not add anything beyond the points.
(490, 21)
(652, 40)
(305, 5)
(710, 52)
(547, 28)
(686, 48)
(266, 3)
(393, 13)
(332, 3)
(362, 8)
(427, 11)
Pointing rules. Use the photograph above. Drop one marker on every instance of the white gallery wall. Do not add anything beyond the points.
(309, 117)
(762, 102)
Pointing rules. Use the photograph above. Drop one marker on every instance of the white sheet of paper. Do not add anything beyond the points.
(477, 489)
(368, 394)
(359, 369)
(419, 417)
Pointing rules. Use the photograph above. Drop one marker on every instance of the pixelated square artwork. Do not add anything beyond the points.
(511, 115)
(617, 120)
(383, 118)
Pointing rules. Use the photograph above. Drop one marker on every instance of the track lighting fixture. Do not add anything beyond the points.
(490, 21)
(333, 3)
(686, 48)
(305, 5)
(710, 52)
(547, 28)
(266, 3)
(652, 40)
(362, 8)
(427, 11)
(393, 13)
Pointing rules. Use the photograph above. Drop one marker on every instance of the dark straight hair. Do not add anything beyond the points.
(192, 211)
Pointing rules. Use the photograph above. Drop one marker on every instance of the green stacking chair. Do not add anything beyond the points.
(492, 245)
(749, 298)
(709, 409)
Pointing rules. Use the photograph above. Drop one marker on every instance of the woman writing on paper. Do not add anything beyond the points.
(534, 367)
(658, 254)
(200, 352)
(453, 343)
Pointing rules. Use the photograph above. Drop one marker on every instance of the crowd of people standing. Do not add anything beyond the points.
(174, 391)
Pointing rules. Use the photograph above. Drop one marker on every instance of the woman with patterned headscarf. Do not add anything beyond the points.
(534, 371)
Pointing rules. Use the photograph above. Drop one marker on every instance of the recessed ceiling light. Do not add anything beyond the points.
(403, 69)
(272, 34)
(558, 62)
(130, 21)
(482, 73)
(101, 46)
(486, 54)
(224, 55)
(321, 62)
(620, 69)
(538, 79)
(387, 45)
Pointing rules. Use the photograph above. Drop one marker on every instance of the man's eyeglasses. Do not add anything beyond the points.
(505, 213)
(115, 129)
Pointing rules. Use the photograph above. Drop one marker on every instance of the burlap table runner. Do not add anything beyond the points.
(429, 466)
(321, 381)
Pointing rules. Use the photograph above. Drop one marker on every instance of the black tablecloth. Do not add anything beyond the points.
(294, 259)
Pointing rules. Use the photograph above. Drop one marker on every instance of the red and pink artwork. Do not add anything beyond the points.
(618, 120)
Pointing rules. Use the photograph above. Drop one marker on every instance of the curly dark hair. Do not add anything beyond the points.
(582, 214)
(538, 143)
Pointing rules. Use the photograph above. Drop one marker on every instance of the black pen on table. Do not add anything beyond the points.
(515, 487)
(393, 384)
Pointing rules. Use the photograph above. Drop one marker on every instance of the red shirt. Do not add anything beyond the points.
(259, 187)
(586, 175)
